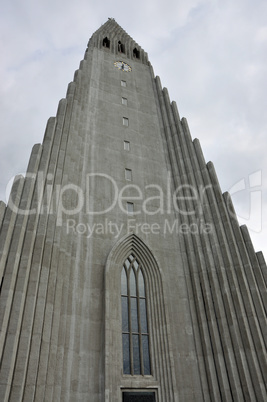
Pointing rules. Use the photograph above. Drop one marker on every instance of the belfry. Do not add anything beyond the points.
(125, 275)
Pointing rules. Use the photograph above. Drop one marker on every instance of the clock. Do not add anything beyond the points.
(121, 65)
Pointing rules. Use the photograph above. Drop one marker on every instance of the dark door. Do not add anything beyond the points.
(139, 397)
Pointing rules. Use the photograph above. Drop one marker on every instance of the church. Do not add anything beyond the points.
(125, 275)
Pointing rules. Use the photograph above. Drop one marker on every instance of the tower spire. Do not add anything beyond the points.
(113, 38)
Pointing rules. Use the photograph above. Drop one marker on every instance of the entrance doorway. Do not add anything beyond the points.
(138, 396)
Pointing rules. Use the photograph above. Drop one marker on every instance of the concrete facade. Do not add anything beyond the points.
(67, 231)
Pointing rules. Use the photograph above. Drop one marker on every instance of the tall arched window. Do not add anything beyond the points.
(106, 42)
(136, 53)
(135, 336)
(120, 47)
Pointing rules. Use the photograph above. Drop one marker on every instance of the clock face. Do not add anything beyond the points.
(122, 66)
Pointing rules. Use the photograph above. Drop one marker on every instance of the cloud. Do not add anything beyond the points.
(210, 55)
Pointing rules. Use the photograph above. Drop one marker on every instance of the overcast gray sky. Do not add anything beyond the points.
(210, 54)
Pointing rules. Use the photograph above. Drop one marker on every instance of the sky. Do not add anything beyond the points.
(211, 55)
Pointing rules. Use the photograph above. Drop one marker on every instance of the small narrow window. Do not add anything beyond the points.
(128, 174)
(136, 53)
(124, 101)
(123, 83)
(106, 42)
(120, 47)
(125, 121)
(130, 208)
(126, 146)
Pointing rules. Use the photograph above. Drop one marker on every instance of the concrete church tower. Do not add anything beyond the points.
(124, 273)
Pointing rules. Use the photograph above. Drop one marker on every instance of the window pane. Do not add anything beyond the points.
(146, 358)
(124, 314)
(134, 317)
(132, 284)
(125, 121)
(134, 322)
(141, 284)
(126, 146)
(123, 282)
(136, 355)
(126, 354)
(130, 208)
(123, 83)
(128, 174)
(143, 318)
(124, 101)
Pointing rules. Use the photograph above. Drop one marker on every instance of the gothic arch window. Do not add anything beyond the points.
(136, 53)
(106, 43)
(134, 281)
(135, 335)
(121, 47)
